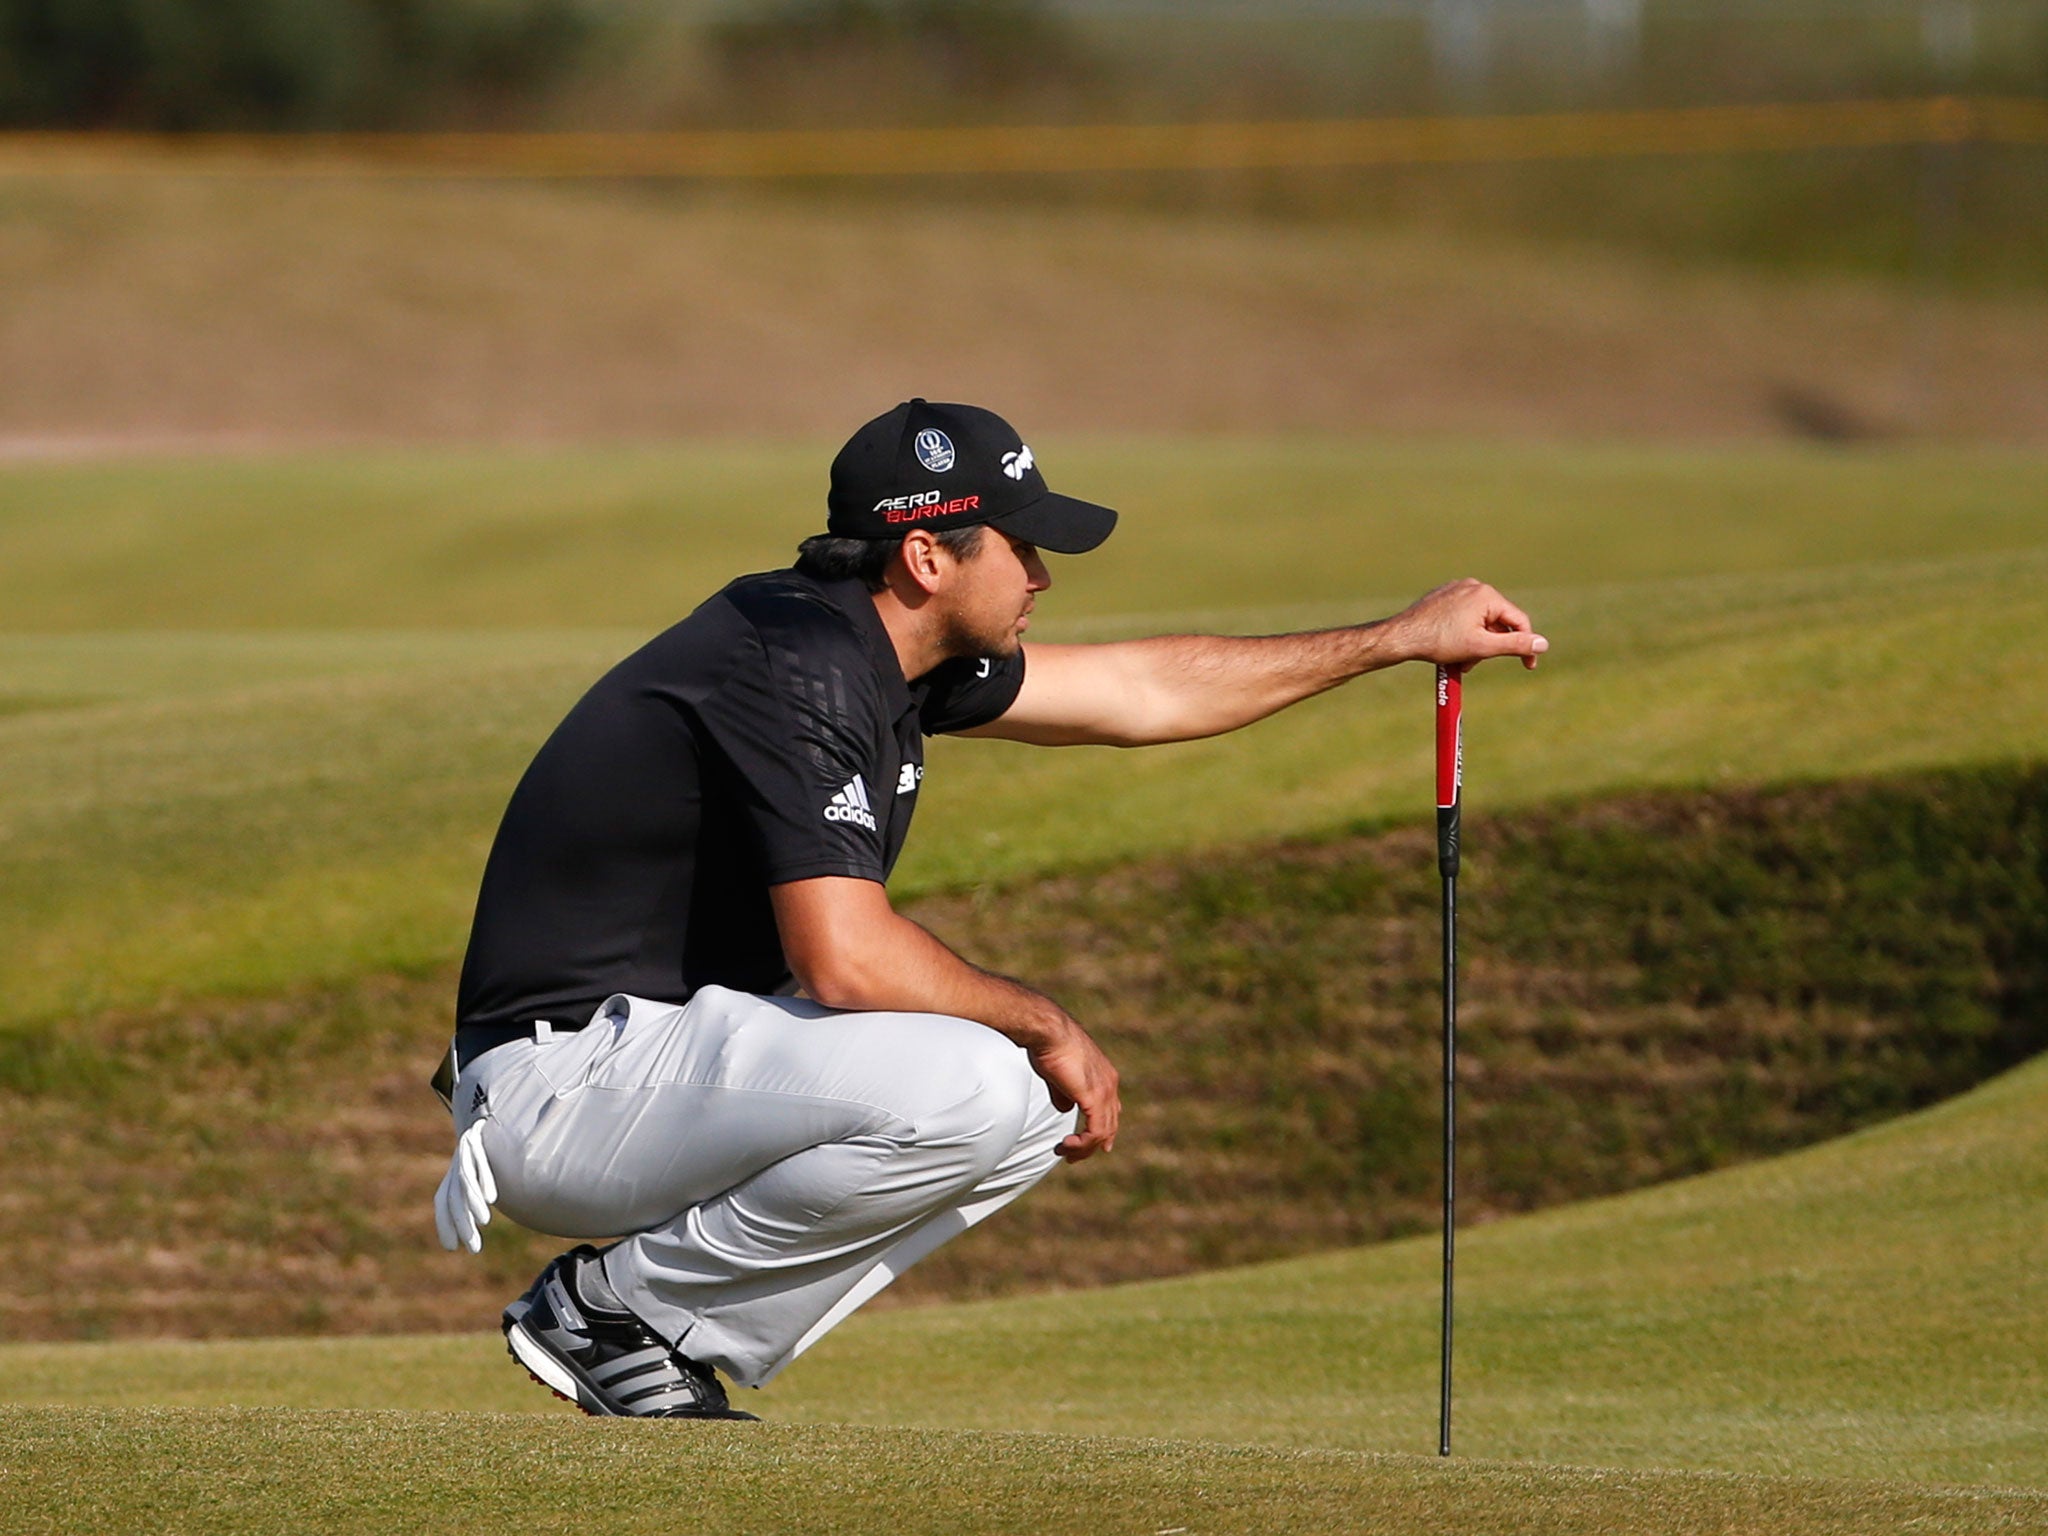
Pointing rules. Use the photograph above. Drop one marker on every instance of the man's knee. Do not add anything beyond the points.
(983, 1095)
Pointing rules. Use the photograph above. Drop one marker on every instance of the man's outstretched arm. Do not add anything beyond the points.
(849, 948)
(1136, 693)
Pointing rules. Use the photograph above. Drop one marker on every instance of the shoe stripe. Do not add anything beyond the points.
(559, 1338)
(656, 1383)
(687, 1390)
(637, 1364)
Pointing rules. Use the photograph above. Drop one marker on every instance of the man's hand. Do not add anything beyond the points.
(1462, 624)
(1076, 1072)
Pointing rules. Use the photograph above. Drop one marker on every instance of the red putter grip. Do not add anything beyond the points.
(1450, 766)
(1450, 737)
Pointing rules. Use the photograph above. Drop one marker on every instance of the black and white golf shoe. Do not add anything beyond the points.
(605, 1360)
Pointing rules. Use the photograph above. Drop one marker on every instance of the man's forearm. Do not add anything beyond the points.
(1182, 687)
(899, 966)
(852, 950)
(1135, 693)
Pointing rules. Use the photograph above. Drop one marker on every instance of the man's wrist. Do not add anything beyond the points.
(1043, 1025)
(1383, 643)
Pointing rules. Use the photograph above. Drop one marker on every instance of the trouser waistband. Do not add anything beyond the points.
(473, 1040)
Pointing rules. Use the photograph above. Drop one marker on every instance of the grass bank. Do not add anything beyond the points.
(1655, 986)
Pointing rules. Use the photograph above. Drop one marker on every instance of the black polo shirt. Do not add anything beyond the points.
(769, 737)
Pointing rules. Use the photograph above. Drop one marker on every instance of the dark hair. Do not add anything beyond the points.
(827, 557)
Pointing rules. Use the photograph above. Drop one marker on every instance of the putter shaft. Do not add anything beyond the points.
(1443, 1447)
(1450, 786)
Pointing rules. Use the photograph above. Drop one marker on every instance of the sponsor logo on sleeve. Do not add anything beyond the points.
(906, 781)
(851, 804)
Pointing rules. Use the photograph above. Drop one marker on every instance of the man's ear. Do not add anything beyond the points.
(923, 561)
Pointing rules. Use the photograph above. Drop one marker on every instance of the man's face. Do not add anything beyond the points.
(991, 595)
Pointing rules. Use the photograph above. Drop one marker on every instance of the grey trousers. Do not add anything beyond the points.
(773, 1163)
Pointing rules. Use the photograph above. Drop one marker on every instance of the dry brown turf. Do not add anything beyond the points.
(154, 310)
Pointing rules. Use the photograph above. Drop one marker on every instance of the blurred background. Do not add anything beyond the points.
(1858, 276)
(373, 373)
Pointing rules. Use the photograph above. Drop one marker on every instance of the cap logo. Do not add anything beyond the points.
(1014, 464)
(935, 450)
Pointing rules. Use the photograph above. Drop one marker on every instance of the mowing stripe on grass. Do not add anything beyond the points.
(634, 537)
(279, 832)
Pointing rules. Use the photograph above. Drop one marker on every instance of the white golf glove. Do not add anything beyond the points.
(462, 1205)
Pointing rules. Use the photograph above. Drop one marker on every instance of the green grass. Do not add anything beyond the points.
(258, 720)
(258, 1472)
(208, 786)
(1863, 1310)
(631, 538)
(1866, 1308)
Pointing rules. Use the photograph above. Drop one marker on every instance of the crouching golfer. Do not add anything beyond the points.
(711, 829)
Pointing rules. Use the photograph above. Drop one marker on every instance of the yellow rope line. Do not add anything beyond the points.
(1078, 148)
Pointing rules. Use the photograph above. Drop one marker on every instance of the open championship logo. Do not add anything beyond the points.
(935, 450)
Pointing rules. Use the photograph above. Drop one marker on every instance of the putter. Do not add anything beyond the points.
(1450, 783)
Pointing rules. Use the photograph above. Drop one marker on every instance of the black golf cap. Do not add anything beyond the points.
(951, 466)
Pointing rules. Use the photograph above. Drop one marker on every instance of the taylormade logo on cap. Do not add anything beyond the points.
(882, 481)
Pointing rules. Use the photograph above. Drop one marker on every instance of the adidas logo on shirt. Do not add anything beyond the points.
(851, 804)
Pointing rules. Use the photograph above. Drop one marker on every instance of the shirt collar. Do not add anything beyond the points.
(854, 598)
